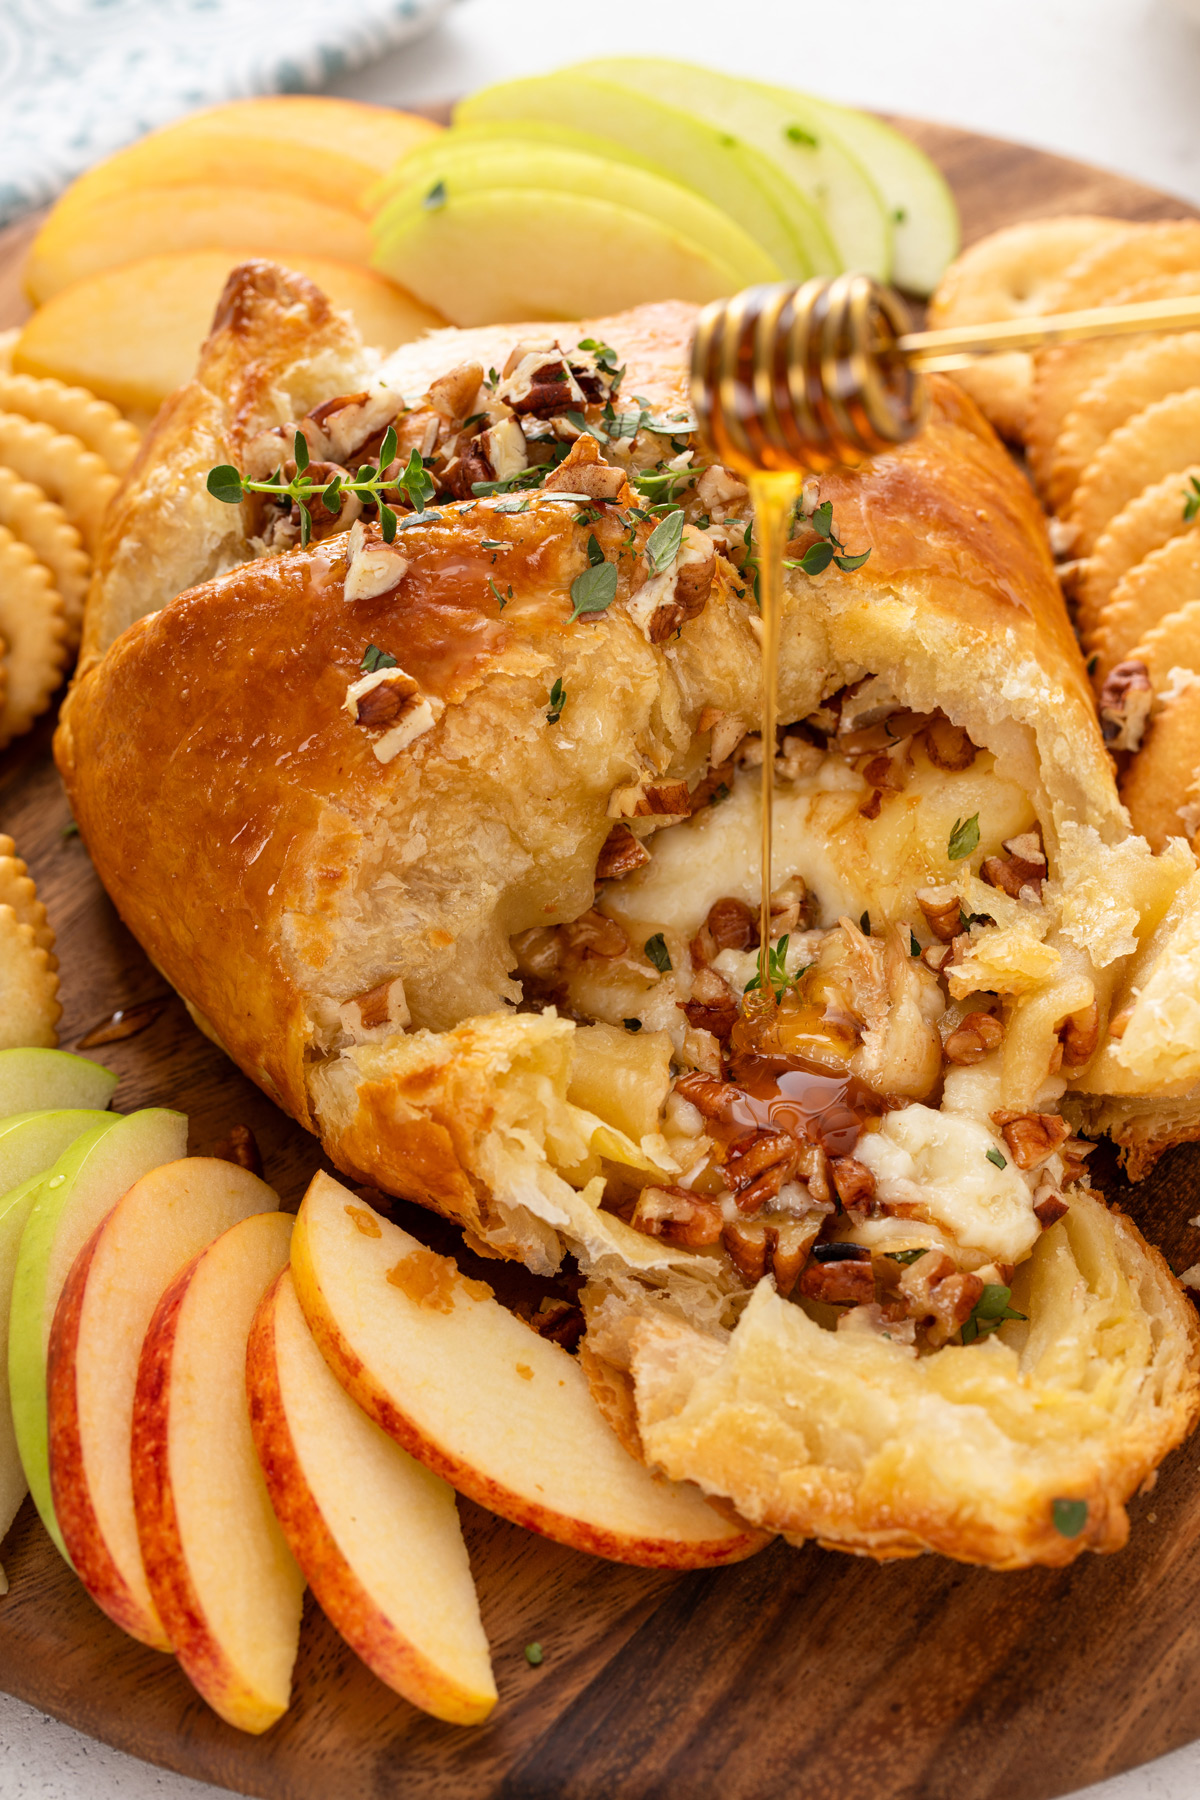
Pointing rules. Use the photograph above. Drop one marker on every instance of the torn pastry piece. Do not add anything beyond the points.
(513, 970)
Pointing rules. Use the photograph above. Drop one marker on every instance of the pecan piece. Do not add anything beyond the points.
(241, 1147)
(758, 1166)
(679, 1216)
(753, 1244)
(584, 471)
(713, 1004)
(1022, 868)
(730, 925)
(1079, 1036)
(947, 746)
(1049, 1207)
(711, 1096)
(452, 395)
(1125, 702)
(849, 1282)
(593, 935)
(1031, 1137)
(621, 854)
(937, 1292)
(977, 1035)
(854, 1182)
(943, 912)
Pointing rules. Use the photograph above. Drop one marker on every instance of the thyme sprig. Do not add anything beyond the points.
(830, 548)
(227, 484)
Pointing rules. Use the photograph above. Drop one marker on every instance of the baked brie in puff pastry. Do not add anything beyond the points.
(457, 857)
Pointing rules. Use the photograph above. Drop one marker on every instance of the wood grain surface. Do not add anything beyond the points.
(800, 1672)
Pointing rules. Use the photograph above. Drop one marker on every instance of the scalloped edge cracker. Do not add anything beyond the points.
(29, 1008)
(70, 473)
(74, 410)
(28, 512)
(19, 890)
(35, 633)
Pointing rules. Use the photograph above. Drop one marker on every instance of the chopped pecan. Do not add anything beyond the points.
(240, 1147)
(1079, 1036)
(1125, 702)
(938, 1292)
(584, 471)
(383, 1005)
(727, 729)
(730, 925)
(1049, 1206)
(785, 1244)
(538, 381)
(1031, 1137)
(715, 786)
(746, 1244)
(943, 912)
(653, 799)
(452, 395)
(719, 488)
(936, 956)
(1118, 1025)
(870, 809)
(707, 1093)
(758, 1166)
(977, 1035)
(793, 1241)
(713, 1004)
(1075, 1153)
(679, 1216)
(948, 746)
(884, 771)
(560, 1321)
(621, 854)
(854, 1182)
(1021, 871)
(790, 907)
(386, 700)
(848, 1283)
(812, 1165)
(593, 935)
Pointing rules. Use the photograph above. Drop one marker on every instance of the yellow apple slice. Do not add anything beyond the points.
(140, 222)
(103, 1312)
(501, 1413)
(375, 1532)
(330, 150)
(83, 1186)
(132, 335)
(223, 1580)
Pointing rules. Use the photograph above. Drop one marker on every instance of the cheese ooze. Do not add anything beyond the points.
(850, 864)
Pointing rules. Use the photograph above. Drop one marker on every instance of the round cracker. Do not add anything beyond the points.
(1162, 583)
(70, 473)
(1063, 373)
(42, 524)
(1150, 372)
(1164, 776)
(1160, 439)
(1174, 643)
(1129, 253)
(33, 628)
(18, 890)
(29, 1009)
(1008, 275)
(1153, 519)
(96, 423)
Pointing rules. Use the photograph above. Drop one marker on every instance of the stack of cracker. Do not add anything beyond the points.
(29, 1009)
(1111, 431)
(62, 452)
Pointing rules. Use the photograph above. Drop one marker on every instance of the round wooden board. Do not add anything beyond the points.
(799, 1670)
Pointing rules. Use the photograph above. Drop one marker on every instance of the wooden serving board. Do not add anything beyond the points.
(799, 1671)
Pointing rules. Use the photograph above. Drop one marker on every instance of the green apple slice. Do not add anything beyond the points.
(780, 126)
(695, 152)
(538, 253)
(78, 1192)
(925, 224)
(14, 1210)
(31, 1143)
(454, 164)
(37, 1080)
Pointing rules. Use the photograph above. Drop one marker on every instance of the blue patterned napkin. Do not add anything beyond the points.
(79, 78)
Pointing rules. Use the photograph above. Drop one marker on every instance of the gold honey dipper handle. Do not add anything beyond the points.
(830, 372)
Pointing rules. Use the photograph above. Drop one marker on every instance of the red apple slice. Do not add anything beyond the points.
(503, 1414)
(103, 1311)
(375, 1532)
(221, 1575)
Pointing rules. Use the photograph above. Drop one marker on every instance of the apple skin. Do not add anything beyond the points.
(344, 1600)
(34, 1080)
(73, 1508)
(646, 1550)
(164, 1553)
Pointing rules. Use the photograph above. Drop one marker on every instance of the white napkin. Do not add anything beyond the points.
(79, 78)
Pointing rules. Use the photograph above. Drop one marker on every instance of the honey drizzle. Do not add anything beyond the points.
(774, 493)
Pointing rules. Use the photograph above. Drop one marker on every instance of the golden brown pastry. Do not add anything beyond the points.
(469, 885)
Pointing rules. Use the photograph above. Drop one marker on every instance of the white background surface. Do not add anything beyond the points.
(1115, 82)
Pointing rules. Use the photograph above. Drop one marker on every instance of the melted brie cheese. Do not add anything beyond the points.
(937, 1165)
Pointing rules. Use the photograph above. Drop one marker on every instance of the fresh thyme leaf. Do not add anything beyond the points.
(816, 559)
(914, 947)
(387, 523)
(558, 699)
(594, 552)
(996, 1156)
(777, 973)
(415, 482)
(595, 590)
(796, 134)
(387, 450)
(964, 838)
(1070, 1516)
(224, 483)
(583, 427)
(662, 546)
(300, 452)
(331, 499)
(905, 1256)
(662, 485)
(513, 506)
(605, 355)
(492, 544)
(1093, 663)
(821, 520)
(375, 658)
(719, 793)
(966, 919)
(524, 478)
(435, 198)
(864, 924)
(660, 956)
(990, 1311)
(534, 1655)
(589, 515)
(305, 525)
(634, 1025)
(501, 602)
(849, 563)
(1191, 500)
